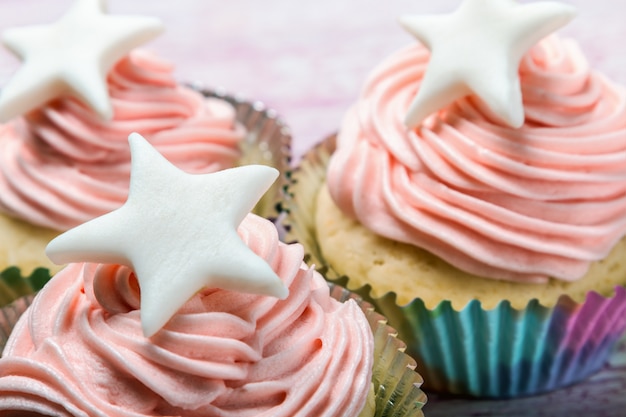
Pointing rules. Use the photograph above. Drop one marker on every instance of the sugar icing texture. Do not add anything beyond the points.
(61, 163)
(523, 204)
(80, 349)
(188, 327)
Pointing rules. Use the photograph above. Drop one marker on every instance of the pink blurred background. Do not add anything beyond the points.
(306, 59)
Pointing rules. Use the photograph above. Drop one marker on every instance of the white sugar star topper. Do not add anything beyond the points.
(178, 232)
(71, 56)
(477, 50)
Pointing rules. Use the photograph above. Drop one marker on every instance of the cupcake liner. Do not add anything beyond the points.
(498, 353)
(396, 383)
(10, 314)
(504, 352)
(267, 142)
(601, 395)
(14, 285)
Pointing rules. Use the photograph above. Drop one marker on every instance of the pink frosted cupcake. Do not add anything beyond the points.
(227, 320)
(63, 150)
(480, 208)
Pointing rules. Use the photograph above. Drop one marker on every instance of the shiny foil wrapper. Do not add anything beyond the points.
(396, 383)
(10, 314)
(497, 353)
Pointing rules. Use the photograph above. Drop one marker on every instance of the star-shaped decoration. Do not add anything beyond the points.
(178, 232)
(71, 57)
(477, 50)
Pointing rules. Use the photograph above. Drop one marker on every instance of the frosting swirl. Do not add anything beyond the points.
(61, 165)
(80, 351)
(542, 201)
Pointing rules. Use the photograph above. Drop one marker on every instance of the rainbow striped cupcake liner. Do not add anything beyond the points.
(497, 353)
(504, 352)
(601, 395)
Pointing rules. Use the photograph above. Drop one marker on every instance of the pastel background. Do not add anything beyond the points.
(307, 60)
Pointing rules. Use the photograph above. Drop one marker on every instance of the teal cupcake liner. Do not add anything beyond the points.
(497, 353)
(601, 395)
(505, 352)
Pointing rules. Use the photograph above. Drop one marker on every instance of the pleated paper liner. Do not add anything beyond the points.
(504, 352)
(267, 142)
(14, 285)
(498, 353)
(396, 383)
(10, 314)
(601, 395)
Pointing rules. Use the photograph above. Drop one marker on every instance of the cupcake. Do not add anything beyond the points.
(197, 308)
(64, 156)
(481, 209)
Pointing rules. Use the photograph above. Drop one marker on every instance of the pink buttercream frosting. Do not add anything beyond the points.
(62, 165)
(541, 201)
(80, 351)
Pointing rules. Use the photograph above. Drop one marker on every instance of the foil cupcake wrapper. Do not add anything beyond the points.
(9, 316)
(14, 285)
(396, 383)
(498, 353)
(267, 142)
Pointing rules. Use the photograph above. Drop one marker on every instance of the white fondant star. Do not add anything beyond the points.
(178, 232)
(477, 50)
(71, 56)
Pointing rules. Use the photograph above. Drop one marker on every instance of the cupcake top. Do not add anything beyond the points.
(81, 90)
(199, 310)
(506, 162)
